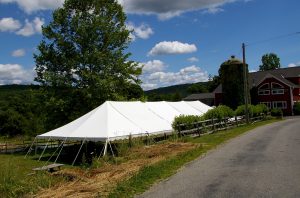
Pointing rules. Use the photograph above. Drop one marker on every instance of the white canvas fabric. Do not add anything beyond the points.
(163, 110)
(117, 120)
(184, 108)
(199, 106)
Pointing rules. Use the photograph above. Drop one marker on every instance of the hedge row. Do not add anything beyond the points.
(219, 113)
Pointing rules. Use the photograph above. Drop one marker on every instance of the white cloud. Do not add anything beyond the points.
(15, 74)
(193, 59)
(18, 53)
(172, 47)
(190, 74)
(142, 31)
(153, 66)
(9, 24)
(213, 10)
(294, 64)
(38, 23)
(30, 6)
(148, 86)
(31, 28)
(167, 9)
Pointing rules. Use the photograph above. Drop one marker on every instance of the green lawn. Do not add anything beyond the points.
(148, 175)
(16, 178)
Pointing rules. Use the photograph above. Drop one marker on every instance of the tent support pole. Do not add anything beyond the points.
(44, 149)
(111, 148)
(105, 148)
(29, 150)
(52, 154)
(62, 146)
(78, 152)
(101, 152)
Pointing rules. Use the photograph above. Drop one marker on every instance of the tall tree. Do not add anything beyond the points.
(81, 57)
(269, 62)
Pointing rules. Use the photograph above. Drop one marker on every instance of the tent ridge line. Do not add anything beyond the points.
(126, 117)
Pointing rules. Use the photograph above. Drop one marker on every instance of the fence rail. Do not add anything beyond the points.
(213, 125)
(13, 147)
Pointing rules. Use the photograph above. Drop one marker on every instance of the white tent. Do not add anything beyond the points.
(117, 120)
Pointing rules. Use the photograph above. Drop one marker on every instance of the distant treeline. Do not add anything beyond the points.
(26, 109)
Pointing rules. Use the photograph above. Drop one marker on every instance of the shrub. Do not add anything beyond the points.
(219, 112)
(259, 109)
(297, 108)
(188, 120)
(276, 112)
(241, 110)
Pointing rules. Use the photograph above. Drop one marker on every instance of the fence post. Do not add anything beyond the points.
(179, 130)
(5, 146)
(198, 129)
(213, 123)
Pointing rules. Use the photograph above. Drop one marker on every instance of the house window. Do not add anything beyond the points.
(277, 89)
(264, 89)
(279, 104)
(263, 92)
(265, 86)
(268, 104)
(276, 85)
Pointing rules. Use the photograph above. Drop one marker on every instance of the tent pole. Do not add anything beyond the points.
(53, 154)
(105, 148)
(101, 152)
(78, 152)
(29, 150)
(111, 148)
(44, 149)
(60, 150)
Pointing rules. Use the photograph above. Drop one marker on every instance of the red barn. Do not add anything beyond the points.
(278, 88)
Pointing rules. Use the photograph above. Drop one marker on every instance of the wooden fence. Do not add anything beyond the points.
(213, 125)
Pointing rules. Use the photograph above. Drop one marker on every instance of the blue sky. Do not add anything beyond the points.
(176, 41)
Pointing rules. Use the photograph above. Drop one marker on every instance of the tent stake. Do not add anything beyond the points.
(44, 149)
(78, 152)
(29, 150)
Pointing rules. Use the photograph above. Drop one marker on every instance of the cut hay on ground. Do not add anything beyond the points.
(101, 181)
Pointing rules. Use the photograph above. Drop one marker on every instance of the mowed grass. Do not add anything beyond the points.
(149, 175)
(17, 178)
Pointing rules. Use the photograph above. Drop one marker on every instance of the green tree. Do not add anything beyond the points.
(197, 88)
(81, 61)
(213, 83)
(269, 62)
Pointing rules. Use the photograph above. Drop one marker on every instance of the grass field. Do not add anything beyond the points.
(147, 165)
(17, 178)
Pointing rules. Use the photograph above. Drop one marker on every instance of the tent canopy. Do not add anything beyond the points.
(117, 120)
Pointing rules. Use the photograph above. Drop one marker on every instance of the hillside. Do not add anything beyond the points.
(176, 92)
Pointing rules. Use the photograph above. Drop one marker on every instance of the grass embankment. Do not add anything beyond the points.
(18, 179)
(164, 169)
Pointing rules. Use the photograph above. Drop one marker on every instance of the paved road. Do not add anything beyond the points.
(262, 163)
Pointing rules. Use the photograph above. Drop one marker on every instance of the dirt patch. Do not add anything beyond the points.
(100, 181)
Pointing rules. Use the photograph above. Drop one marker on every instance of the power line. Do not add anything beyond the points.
(273, 38)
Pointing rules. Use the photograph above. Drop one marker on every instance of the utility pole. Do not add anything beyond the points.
(245, 84)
